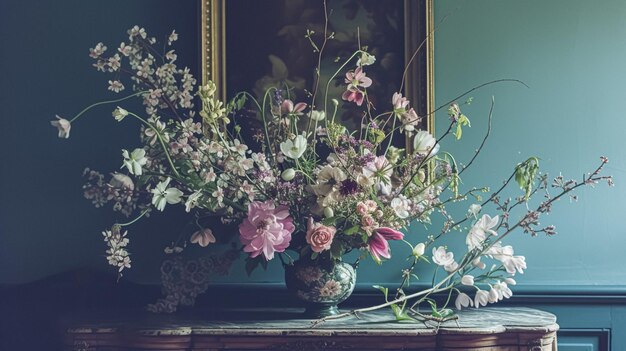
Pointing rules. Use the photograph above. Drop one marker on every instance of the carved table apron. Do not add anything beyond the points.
(485, 329)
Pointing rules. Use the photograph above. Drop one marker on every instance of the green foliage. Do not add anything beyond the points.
(525, 174)
(460, 123)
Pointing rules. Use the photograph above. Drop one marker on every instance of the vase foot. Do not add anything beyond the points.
(314, 311)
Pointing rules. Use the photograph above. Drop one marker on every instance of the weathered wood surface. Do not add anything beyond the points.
(485, 329)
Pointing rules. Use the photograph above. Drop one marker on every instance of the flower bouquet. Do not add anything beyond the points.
(304, 189)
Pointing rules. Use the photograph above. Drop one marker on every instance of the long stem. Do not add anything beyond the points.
(161, 141)
(104, 103)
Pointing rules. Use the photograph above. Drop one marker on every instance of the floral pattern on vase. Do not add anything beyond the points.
(320, 286)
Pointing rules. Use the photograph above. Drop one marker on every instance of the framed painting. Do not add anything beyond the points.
(250, 45)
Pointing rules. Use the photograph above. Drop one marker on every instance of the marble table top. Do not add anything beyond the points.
(274, 322)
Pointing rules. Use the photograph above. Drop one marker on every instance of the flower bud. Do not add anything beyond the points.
(418, 250)
(288, 174)
(335, 102)
(119, 113)
(328, 212)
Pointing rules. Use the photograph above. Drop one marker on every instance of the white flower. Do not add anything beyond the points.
(294, 148)
(514, 264)
(172, 38)
(504, 292)
(419, 249)
(135, 160)
(463, 300)
(115, 86)
(401, 206)
(467, 280)
(478, 264)
(474, 210)
(494, 296)
(203, 237)
(381, 170)
(63, 126)
(192, 200)
(510, 281)
(451, 267)
(481, 298)
(119, 180)
(441, 257)
(478, 233)
(119, 113)
(318, 115)
(163, 195)
(366, 59)
(425, 144)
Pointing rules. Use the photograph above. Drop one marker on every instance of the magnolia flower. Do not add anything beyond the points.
(119, 113)
(478, 233)
(63, 126)
(318, 115)
(163, 195)
(266, 230)
(441, 257)
(463, 300)
(134, 161)
(401, 206)
(474, 210)
(425, 144)
(467, 280)
(481, 298)
(366, 59)
(378, 245)
(319, 236)
(294, 148)
(203, 237)
(192, 201)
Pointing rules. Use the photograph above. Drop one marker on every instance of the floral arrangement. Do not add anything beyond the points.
(302, 184)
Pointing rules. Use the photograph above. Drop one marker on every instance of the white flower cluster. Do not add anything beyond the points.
(116, 253)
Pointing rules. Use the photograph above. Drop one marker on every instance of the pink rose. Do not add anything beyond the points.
(319, 236)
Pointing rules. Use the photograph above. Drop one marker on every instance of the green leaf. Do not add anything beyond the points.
(400, 313)
(314, 255)
(446, 312)
(384, 290)
(352, 230)
(336, 249)
(460, 123)
(329, 221)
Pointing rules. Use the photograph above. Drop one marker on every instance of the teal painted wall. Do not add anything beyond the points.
(570, 53)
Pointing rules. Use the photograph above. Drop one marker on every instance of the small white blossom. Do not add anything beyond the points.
(134, 161)
(115, 86)
(481, 298)
(478, 264)
(119, 180)
(366, 59)
(474, 210)
(478, 233)
(451, 267)
(467, 280)
(172, 37)
(401, 206)
(441, 257)
(63, 126)
(288, 174)
(318, 115)
(510, 281)
(463, 300)
(425, 144)
(419, 249)
(119, 113)
(163, 195)
(192, 200)
(294, 148)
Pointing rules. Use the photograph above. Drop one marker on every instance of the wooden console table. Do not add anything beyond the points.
(485, 329)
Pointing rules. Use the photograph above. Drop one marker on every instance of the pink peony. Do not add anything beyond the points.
(319, 236)
(378, 245)
(266, 230)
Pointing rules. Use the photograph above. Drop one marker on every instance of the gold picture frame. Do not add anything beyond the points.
(418, 30)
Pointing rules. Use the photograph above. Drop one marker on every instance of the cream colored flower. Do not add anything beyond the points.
(63, 126)
(294, 148)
